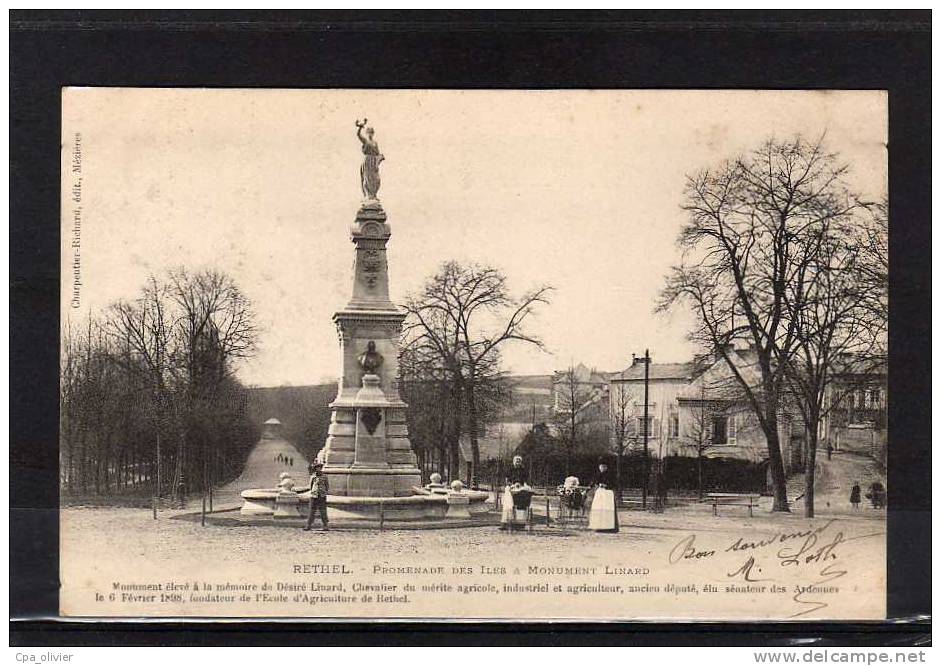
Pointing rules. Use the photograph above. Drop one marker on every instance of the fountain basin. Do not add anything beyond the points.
(258, 503)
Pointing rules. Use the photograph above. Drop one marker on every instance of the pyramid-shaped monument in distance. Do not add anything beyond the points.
(368, 453)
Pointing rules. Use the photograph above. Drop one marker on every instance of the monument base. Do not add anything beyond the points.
(366, 482)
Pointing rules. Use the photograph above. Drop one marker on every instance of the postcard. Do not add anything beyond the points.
(474, 354)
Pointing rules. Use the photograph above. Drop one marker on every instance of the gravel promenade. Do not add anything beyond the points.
(684, 548)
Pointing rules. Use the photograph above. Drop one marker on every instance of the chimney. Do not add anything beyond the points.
(633, 360)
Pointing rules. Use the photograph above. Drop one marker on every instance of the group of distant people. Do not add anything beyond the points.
(287, 460)
(876, 495)
(517, 495)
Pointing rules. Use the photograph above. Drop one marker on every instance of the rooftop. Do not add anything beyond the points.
(657, 371)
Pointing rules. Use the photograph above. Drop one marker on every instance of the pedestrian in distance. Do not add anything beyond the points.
(876, 495)
(319, 487)
(854, 496)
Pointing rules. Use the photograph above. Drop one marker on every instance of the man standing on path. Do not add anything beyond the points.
(319, 486)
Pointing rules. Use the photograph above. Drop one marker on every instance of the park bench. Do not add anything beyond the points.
(732, 499)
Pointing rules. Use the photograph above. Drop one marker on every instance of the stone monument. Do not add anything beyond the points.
(368, 453)
(368, 458)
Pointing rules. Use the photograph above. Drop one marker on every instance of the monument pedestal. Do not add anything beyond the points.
(367, 453)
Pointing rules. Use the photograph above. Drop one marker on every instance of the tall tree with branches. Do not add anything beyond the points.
(465, 315)
(840, 321)
(622, 420)
(144, 327)
(746, 264)
(572, 398)
(214, 324)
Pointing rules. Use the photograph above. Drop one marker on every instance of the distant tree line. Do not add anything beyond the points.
(148, 395)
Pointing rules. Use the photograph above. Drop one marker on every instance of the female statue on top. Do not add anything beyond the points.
(369, 171)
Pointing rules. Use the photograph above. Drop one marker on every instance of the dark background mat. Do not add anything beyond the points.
(372, 49)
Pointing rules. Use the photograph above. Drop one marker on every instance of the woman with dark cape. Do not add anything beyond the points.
(603, 516)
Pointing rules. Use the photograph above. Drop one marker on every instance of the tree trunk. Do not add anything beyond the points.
(70, 465)
(98, 475)
(472, 432)
(178, 479)
(810, 465)
(776, 463)
(454, 460)
(83, 463)
(699, 472)
(617, 473)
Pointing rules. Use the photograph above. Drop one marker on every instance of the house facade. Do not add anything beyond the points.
(583, 394)
(664, 424)
(855, 407)
(697, 408)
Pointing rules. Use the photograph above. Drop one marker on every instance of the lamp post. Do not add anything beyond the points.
(646, 427)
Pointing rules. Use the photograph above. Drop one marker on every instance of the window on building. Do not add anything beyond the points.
(674, 426)
(651, 428)
(719, 424)
(731, 429)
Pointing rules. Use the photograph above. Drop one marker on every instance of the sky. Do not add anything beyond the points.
(580, 190)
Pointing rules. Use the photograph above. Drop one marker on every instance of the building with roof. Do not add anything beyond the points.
(698, 408)
(665, 382)
(855, 417)
(582, 394)
(271, 429)
(588, 384)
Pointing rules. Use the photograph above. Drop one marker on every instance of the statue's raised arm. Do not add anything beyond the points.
(369, 171)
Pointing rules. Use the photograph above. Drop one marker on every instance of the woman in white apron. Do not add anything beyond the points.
(604, 515)
(516, 478)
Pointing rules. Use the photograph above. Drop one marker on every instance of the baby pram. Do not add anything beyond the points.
(517, 503)
(572, 501)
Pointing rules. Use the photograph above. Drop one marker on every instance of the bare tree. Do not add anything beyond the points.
(745, 264)
(840, 322)
(213, 326)
(154, 369)
(622, 419)
(435, 406)
(698, 434)
(572, 399)
(872, 273)
(465, 315)
(144, 328)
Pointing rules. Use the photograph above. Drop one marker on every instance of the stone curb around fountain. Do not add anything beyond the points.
(230, 517)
